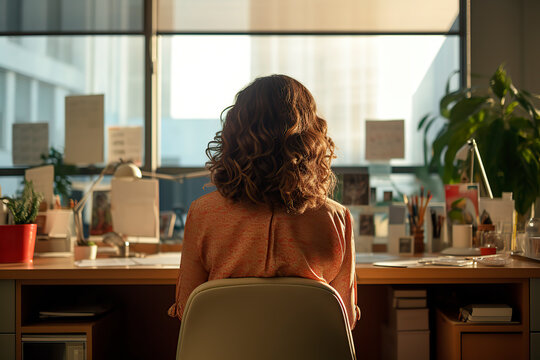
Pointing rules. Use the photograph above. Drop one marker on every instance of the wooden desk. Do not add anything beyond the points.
(448, 288)
(143, 294)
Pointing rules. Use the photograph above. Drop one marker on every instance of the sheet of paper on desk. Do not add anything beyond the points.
(385, 139)
(29, 142)
(84, 129)
(106, 262)
(164, 259)
(398, 263)
(43, 180)
(125, 143)
(135, 207)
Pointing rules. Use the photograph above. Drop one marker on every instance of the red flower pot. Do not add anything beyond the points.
(17, 243)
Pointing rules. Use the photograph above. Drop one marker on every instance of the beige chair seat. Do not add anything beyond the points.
(264, 318)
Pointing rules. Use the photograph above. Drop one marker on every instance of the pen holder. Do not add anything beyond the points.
(418, 236)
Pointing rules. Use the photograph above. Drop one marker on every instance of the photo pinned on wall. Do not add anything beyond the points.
(367, 224)
(166, 224)
(101, 213)
(387, 196)
(356, 190)
(406, 245)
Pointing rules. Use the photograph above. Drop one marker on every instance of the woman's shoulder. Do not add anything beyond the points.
(209, 200)
(332, 208)
(333, 205)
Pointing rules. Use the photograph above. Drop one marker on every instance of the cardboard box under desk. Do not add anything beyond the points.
(409, 319)
(405, 345)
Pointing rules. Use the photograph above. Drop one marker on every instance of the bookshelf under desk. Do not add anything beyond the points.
(143, 294)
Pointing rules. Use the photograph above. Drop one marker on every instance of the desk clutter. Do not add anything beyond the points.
(458, 222)
(407, 331)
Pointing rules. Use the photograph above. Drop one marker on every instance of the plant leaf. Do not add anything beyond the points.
(510, 108)
(425, 144)
(447, 87)
(466, 107)
(500, 82)
(450, 98)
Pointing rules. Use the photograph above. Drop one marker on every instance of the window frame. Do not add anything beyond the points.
(152, 116)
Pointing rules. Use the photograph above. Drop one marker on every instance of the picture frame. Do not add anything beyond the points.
(356, 190)
(367, 224)
(406, 245)
(101, 218)
(166, 224)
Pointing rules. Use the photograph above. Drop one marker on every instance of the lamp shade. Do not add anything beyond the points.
(127, 170)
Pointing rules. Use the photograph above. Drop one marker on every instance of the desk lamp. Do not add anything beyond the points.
(125, 170)
(471, 148)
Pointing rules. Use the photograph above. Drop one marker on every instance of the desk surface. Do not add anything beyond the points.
(63, 269)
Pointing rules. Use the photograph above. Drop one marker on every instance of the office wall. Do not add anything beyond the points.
(506, 31)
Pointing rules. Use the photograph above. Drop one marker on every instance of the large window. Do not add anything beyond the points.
(353, 79)
(50, 49)
(38, 72)
(362, 59)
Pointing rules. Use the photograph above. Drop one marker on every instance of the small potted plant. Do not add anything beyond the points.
(17, 241)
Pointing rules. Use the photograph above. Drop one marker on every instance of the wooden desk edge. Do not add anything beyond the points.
(64, 271)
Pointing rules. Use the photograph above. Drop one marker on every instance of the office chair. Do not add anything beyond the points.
(264, 318)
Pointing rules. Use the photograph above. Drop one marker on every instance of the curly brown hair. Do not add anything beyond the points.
(273, 147)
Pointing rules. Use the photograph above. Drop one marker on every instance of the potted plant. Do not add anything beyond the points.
(62, 184)
(17, 241)
(506, 126)
(58, 219)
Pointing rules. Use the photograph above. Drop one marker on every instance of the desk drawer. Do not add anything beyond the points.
(493, 346)
(7, 307)
(535, 304)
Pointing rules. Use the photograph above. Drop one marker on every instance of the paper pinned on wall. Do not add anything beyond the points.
(125, 143)
(135, 207)
(84, 129)
(29, 142)
(385, 139)
(43, 180)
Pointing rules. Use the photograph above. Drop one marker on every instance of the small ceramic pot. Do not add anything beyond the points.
(84, 252)
(17, 243)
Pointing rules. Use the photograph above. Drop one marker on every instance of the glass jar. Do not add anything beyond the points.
(493, 239)
(480, 231)
(533, 227)
(533, 238)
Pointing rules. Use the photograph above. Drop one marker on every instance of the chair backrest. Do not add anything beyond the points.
(264, 318)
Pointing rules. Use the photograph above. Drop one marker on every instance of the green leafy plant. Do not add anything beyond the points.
(24, 208)
(62, 184)
(506, 126)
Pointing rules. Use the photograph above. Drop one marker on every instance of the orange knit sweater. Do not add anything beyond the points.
(223, 239)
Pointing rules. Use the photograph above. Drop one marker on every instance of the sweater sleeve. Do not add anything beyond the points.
(192, 272)
(345, 280)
